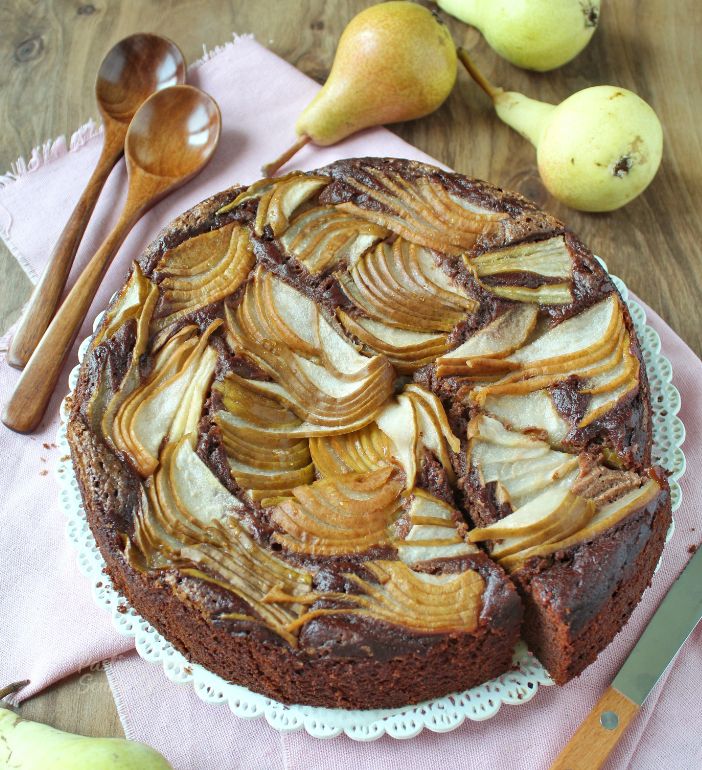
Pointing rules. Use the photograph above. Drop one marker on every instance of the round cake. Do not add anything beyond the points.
(344, 436)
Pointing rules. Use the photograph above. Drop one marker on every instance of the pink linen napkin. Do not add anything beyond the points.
(56, 629)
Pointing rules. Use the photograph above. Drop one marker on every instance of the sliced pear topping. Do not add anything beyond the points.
(240, 398)
(579, 344)
(268, 436)
(280, 203)
(532, 411)
(177, 388)
(433, 533)
(422, 211)
(570, 515)
(598, 352)
(366, 449)
(104, 403)
(398, 421)
(316, 373)
(420, 601)
(325, 236)
(607, 517)
(199, 272)
(191, 519)
(549, 258)
(263, 458)
(199, 495)
(293, 318)
(400, 284)
(548, 294)
(495, 341)
(406, 350)
(413, 421)
(603, 402)
(339, 515)
(278, 199)
(522, 465)
(128, 304)
(536, 515)
(575, 337)
(432, 404)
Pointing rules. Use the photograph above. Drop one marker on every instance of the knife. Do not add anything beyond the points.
(670, 626)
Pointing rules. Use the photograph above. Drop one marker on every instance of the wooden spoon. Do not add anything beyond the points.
(133, 69)
(171, 138)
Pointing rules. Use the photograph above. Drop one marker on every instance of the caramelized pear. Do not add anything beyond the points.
(339, 515)
(146, 417)
(608, 516)
(433, 533)
(199, 272)
(325, 236)
(422, 211)
(315, 371)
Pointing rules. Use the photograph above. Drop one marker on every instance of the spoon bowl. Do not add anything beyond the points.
(174, 133)
(132, 70)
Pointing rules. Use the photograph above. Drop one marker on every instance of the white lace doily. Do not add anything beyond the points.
(441, 714)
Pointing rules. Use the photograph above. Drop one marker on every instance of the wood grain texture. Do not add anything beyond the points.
(597, 736)
(652, 48)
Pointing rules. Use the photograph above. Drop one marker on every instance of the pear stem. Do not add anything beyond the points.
(14, 687)
(271, 168)
(491, 90)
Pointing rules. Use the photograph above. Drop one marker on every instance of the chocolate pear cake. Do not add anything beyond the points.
(344, 436)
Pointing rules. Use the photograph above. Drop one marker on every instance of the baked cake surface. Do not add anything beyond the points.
(344, 435)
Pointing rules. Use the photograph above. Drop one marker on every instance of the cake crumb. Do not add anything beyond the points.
(692, 548)
(44, 472)
(43, 459)
(46, 446)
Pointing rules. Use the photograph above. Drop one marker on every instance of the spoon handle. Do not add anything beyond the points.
(26, 407)
(47, 293)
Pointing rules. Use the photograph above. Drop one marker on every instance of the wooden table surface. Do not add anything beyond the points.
(50, 52)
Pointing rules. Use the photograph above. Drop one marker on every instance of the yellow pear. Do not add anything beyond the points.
(395, 61)
(596, 150)
(26, 745)
(535, 34)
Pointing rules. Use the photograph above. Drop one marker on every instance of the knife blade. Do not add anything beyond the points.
(667, 631)
(671, 625)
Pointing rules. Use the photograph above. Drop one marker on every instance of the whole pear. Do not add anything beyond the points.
(395, 61)
(534, 34)
(596, 150)
(26, 745)
(600, 149)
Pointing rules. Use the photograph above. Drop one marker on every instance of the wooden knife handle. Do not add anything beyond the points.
(598, 734)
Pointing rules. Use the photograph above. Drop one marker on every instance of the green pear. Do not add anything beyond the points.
(596, 150)
(535, 34)
(26, 745)
(395, 61)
